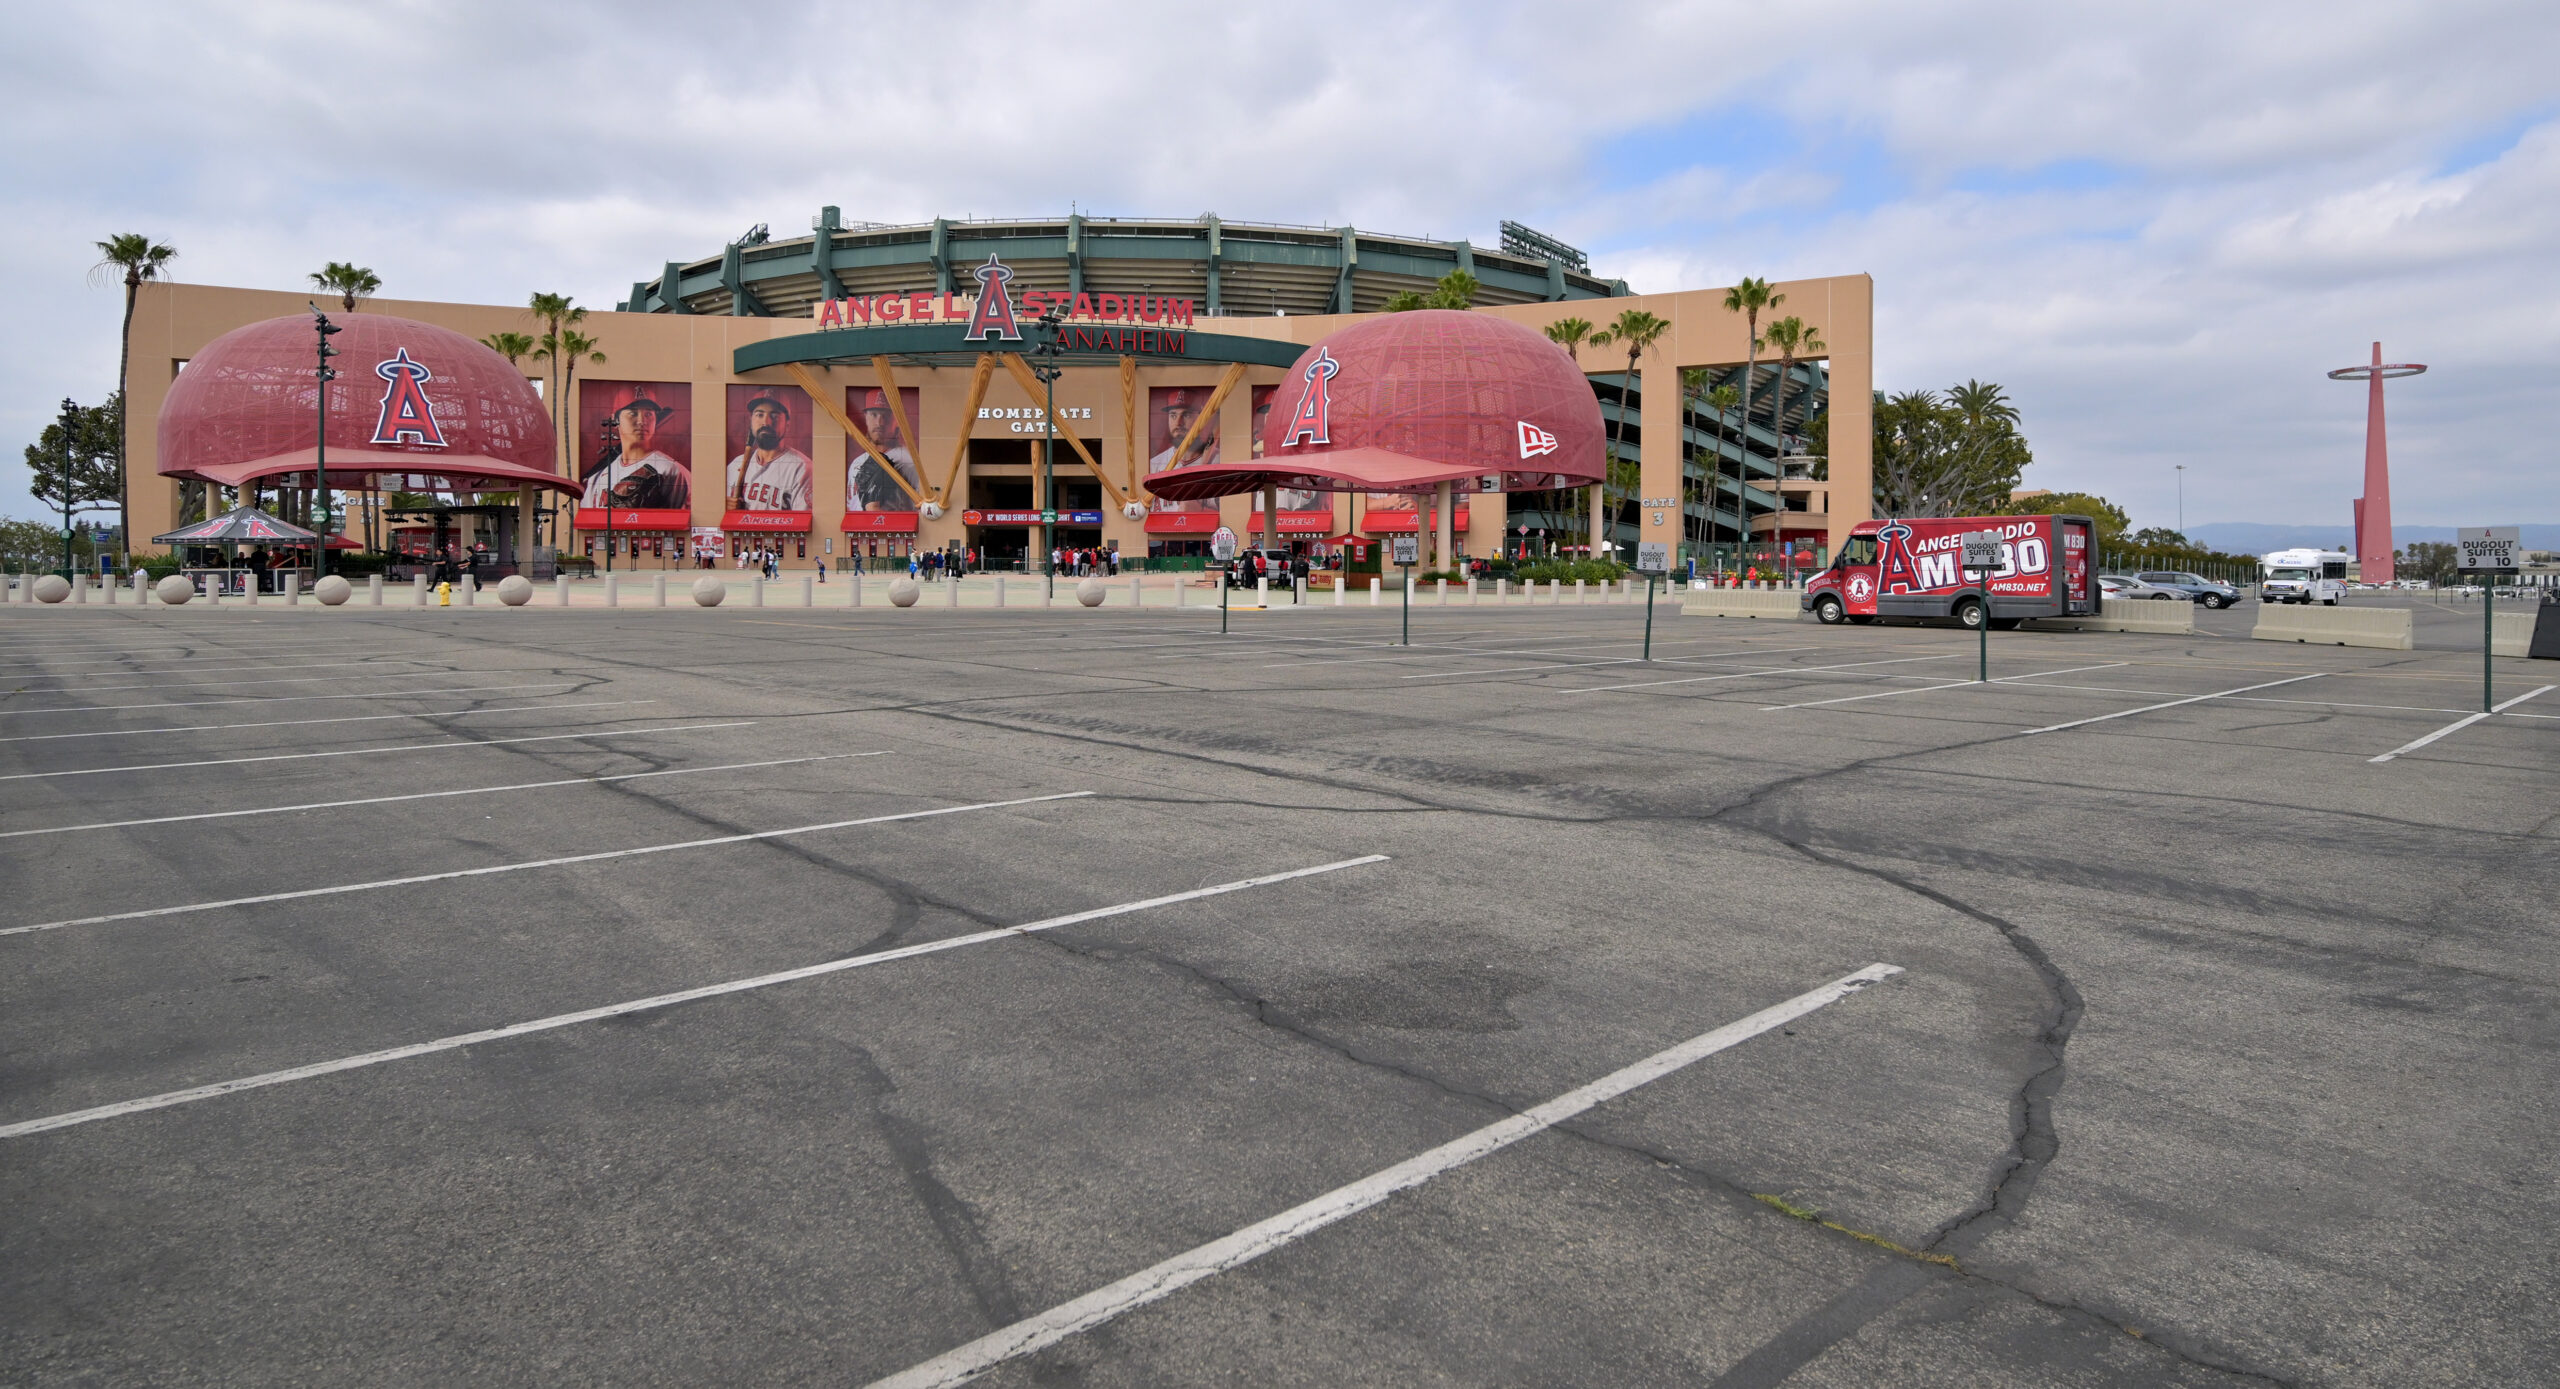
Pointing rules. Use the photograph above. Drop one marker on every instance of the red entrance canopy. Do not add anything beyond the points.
(1341, 470)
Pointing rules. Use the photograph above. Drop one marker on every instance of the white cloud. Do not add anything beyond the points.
(2268, 195)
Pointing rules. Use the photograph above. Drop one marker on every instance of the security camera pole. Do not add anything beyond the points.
(1045, 366)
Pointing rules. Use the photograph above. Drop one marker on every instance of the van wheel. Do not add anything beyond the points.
(2216, 601)
(1829, 611)
(1969, 614)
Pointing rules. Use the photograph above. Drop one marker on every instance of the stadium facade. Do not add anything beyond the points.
(830, 394)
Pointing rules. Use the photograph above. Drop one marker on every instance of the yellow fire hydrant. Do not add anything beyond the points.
(444, 594)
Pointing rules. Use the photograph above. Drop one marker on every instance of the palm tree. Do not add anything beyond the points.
(1748, 297)
(1981, 403)
(134, 258)
(564, 348)
(350, 282)
(1722, 400)
(1570, 334)
(555, 312)
(1636, 329)
(512, 346)
(1791, 337)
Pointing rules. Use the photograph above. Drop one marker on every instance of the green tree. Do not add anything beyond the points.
(2430, 560)
(1455, 290)
(564, 348)
(515, 347)
(72, 465)
(2159, 538)
(2112, 521)
(1635, 330)
(1571, 334)
(348, 281)
(556, 312)
(1934, 458)
(133, 258)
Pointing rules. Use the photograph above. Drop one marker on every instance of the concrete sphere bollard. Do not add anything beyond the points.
(708, 592)
(515, 590)
(52, 588)
(1089, 593)
(175, 589)
(903, 593)
(332, 590)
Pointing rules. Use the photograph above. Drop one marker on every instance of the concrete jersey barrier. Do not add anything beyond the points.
(2127, 615)
(1781, 604)
(2392, 629)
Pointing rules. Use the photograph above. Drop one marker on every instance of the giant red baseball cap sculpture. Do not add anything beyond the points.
(410, 398)
(1406, 401)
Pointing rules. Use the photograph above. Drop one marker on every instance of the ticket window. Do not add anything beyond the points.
(803, 547)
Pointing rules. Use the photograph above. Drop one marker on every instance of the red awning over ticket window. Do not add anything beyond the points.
(879, 523)
(765, 521)
(592, 518)
(1398, 522)
(1182, 522)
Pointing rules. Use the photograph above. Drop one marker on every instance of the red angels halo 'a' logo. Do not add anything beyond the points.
(1535, 441)
(1311, 423)
(1860, 586)
(407, 417)
(1898, 571)
(993, 318)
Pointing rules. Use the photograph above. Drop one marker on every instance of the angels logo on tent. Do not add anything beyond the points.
(407, 416)
(1535, 441)
(993, 317)
(1895, 568)
(1311, 423)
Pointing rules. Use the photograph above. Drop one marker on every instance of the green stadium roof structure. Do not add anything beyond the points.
(1227, 268)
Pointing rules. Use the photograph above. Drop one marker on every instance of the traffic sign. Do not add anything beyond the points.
(1407, 550)
(2487, 549)
(1982, 550)
(1222, 544)
(1048, 518)
(1653, 556)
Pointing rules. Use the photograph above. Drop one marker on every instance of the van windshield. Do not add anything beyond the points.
(2288, 573)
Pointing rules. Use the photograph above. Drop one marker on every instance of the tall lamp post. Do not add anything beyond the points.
(322, 330)
(1045, 366)
(2182, 499)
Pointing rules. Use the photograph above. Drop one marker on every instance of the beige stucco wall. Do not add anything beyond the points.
(172, 322)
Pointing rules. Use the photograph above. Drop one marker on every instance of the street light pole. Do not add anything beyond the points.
(1047, 369)
(2182, 499)
(323, 330)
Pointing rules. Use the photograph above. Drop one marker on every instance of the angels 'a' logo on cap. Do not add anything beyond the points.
(1312, 421)
(993, 317)
(1535, 441)
(407, 417)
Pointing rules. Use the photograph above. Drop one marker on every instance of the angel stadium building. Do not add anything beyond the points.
(869, 389)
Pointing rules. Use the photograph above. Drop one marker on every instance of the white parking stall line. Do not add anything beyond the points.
(1036, 1333)
(221, 670)
(1513, 670)
(602, 856)
(641, 1005)
(431, 795)
(180, 653)
(1755, 674)
(305, 723)
(1948, 685)
(283, 699)
(292, 680)
(393, 747)
(2171, 704)
(2461, 724)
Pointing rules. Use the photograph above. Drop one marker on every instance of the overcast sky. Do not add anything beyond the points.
(2157, 225)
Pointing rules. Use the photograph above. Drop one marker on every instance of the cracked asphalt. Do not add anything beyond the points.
(2221, 1054)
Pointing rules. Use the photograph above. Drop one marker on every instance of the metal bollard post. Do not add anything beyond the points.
(1137, 592)
(1443, 591)
(755, 592)
(658, 592)
(999, 590)
(1179, 595)
(1373, 593)
(853, 593)
(951, 596)
(1341, 585)
(613, 590)
(1262, 593)
(470, 589)
(373, 591)
(292, 590)
(808, 591)
(1580, 595)
(559, 590)
(418, 590)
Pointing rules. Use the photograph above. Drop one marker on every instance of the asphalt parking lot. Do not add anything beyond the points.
(1066, 997)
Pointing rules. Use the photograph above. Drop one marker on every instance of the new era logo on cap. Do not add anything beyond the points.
(1535, 441)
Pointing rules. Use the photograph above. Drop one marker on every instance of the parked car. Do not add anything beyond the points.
(2126, 586)
(2209, 592)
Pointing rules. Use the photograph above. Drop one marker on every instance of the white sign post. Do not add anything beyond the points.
(1406, 550)
(1982, 557)
(2491, 551)
(1222, 548)
(1653, 557)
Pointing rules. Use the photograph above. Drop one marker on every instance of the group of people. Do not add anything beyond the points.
(766, 562)
(1085, 562)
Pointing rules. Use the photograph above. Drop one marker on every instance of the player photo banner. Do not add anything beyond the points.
(1170, 411)
(635, 454)
(868, 485)
(770, 437)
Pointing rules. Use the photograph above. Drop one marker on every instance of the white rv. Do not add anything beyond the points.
(2303, 576)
